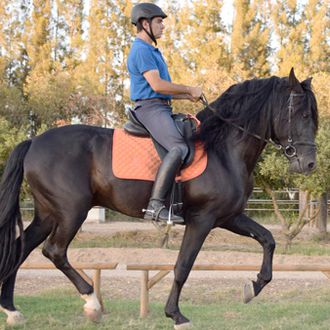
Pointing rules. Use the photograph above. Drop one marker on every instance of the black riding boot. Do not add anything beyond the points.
(167, 171)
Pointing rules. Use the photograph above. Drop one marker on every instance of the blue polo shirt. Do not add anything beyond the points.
(144, 57)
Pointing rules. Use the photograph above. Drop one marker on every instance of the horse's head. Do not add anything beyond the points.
(295, 123)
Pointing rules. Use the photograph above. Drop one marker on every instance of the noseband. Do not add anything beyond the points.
(289, 150)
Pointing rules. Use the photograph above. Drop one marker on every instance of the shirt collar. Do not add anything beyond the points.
(139, 40)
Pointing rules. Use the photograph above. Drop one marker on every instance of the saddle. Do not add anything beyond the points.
(186, 125)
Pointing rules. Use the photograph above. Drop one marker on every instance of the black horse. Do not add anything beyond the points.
(69, 171)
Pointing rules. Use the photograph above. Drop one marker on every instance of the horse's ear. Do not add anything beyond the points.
(294, 83)
(308, 82)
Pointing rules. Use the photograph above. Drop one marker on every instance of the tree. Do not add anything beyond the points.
(68, 36)
(290, 27)
(38, 38)
(49, 95)
(12, 51)
(12, 74)
(195, 48)
(102, 73)
(12, 105)
(9, 138)
(250, 39)
(318, 16)
(321, 81)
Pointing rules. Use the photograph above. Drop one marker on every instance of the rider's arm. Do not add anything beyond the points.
(182, 97)
(168, 88)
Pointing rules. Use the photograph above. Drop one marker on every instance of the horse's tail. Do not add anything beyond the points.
(10, 215)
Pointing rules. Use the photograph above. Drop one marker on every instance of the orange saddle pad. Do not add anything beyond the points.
(136, 158)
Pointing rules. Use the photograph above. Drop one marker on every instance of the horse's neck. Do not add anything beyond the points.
(243, 150)
(246, 150)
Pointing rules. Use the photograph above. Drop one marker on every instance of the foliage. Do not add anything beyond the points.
(321, 82)
(272, 174)
(250, 39)
(74, 53)
(9, 138)
(319, 181)
(302, 35)
(12, 105)
(48, 95)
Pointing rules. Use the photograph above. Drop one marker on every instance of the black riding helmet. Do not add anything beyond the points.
(147, 11)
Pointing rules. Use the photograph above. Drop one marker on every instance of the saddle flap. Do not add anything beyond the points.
(187, 126)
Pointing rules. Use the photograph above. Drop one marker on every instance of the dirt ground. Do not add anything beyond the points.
(201, 285)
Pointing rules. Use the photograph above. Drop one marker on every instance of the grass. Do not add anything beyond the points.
(295, 310)
(133, 239)
(217, 241)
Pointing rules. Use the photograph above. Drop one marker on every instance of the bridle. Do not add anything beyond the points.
(289, 150)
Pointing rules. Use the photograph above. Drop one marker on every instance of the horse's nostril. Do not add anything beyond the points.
(311, 166)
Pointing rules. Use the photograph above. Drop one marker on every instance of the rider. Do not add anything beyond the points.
(152, 90)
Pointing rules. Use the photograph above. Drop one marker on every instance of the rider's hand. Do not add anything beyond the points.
(195, 93)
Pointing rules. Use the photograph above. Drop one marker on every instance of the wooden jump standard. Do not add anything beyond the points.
(164, 269)
(80, 267)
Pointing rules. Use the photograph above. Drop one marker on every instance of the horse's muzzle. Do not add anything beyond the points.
(303, 164)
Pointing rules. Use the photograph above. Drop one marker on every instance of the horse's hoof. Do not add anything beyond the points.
(92, 308)
(93, 315)
(186, 325)
(15, 318)
(248, 292)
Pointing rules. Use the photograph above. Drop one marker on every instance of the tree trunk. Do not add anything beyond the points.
(302, 202)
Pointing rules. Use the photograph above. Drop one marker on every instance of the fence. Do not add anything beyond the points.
(259, 203)
(288, 201)
(163, 270)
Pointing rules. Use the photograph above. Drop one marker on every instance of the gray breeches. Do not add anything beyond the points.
(155, 115)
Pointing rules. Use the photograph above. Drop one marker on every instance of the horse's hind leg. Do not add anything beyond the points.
(34, 234)
(243, 225)
(55, 249)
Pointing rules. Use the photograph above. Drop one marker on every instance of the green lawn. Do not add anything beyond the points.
(223, 241)
(295, 310)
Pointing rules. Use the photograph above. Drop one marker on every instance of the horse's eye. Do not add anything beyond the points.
(305, 115)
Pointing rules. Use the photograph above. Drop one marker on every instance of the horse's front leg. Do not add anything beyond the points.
(193, 239)
(243, 225)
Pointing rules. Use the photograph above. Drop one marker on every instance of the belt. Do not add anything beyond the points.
(156, 99)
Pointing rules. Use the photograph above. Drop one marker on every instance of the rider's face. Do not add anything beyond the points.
(157, 25)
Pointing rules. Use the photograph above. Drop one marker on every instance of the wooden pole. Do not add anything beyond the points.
(85, 276)
(302, 203)
(323, 215)
(154, 280)
(144, 306)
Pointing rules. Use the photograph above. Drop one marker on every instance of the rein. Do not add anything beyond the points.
(289, 150)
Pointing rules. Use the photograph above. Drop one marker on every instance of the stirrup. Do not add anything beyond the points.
(153, 215)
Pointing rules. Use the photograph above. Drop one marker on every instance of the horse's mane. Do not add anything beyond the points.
(248, 105)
